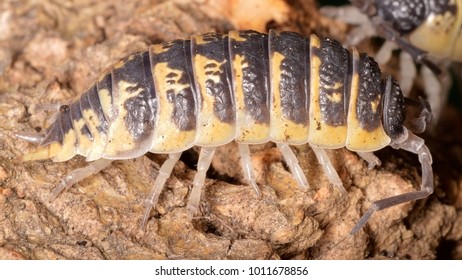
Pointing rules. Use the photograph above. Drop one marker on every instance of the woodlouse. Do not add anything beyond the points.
(428, 31)
(244, 86)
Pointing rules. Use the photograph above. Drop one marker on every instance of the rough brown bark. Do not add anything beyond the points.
(51, 52)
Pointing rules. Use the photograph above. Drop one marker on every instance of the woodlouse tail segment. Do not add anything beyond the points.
(41, 153)
(416, 145)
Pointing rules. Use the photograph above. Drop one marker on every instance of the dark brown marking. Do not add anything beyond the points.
(394, 111)
(256, 75)
(177, 55)
(53, 133)
(370, 90)
(224, 107)
(76, 114)
(141, 109)
(294, 84)
(332, 72)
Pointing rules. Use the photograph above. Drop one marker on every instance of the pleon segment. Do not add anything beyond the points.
(84, 137)
(50, 146)
(329, 79)
(133, 108)
(289, 76)
(212, 75)
(69, 143)
(175, 127)
(250, 72)
(365, 130)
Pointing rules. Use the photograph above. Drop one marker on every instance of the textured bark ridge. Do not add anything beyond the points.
(50, 53)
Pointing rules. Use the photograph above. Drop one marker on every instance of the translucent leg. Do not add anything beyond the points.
(164, 173)
(294, 166)
(415, 145)
(79, 174)
(384, 54)
(348, 14)
(371, 159)
(246, 162)
(407, 72)
(437, 89)
(205, 159)
(329, 170)
(418, 125)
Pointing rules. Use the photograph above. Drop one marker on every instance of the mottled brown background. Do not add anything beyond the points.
(51, 51)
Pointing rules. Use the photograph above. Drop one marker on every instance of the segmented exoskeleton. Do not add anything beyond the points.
(244, 86)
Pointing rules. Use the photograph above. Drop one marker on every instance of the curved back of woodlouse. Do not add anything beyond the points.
(244, 86)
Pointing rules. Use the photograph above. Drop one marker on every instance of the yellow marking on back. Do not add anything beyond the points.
(359, 139)
(375, 104)
(106, 102)
(282, 129)
(321, 134)
(336, 97)
(168, 138)
(209, 130)
(235, 35)
(199, 40)
(247, 129)
(441, 34)
(159, 48)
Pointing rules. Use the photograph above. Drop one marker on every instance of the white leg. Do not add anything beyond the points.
(370, 158)
(164, 173)
(384, 54)
(359, 33)
(419, 124)
(246, 162)
(415, 145)
(347, 14)
(205, 159)
(437, 89)
(79, 174)
(407, 72)
(294, 166)
(329, 170)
